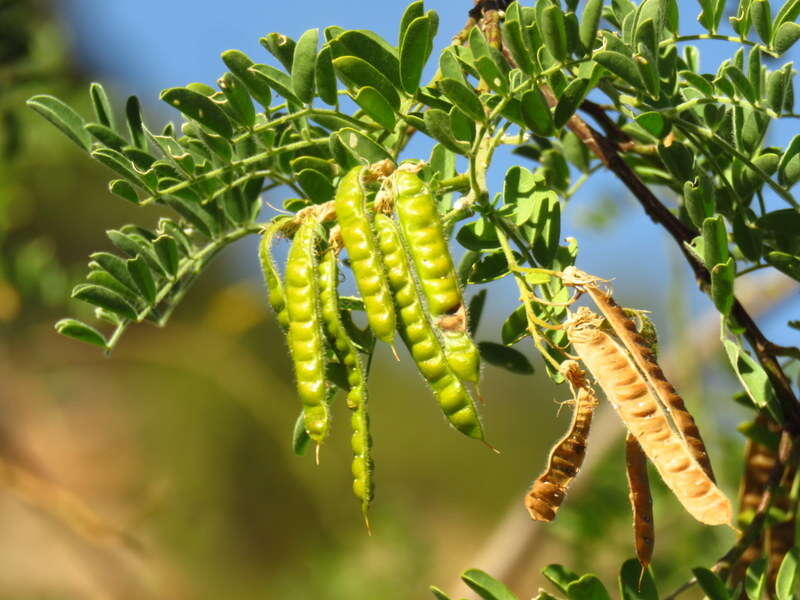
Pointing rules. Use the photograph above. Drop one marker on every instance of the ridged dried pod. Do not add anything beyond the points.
(641, 501)
(645, 360)
(627, 390)
(548, 491)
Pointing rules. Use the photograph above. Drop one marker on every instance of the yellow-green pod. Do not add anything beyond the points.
(365, 260)
(347, 353)
(419, 336)
(306, 338)
(424, 236)
(275, 292)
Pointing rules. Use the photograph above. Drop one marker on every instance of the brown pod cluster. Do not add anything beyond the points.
(628, 391)
(641, 501)
(548, 491)
(759, 462)
(645, 360)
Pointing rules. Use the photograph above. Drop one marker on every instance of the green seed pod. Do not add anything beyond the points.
(424, 236)
(306, 338)
(365, 260)
(347, 353)
(272, 279)
(420, 338)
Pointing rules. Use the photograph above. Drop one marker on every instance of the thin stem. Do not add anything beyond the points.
(710, 135)
(525, 292)
(242, 163)
(187, 271)
(717, 37)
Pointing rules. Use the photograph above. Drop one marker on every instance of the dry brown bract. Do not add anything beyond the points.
(641, 501)
(628, 392)
(566, 457)
(644, 358)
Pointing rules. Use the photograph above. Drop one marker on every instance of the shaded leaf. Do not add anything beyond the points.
(300, 438)
(506, 358)
(588, 587)
(437, 123)
(486, 586)
(753, 378)
(80, 331)
(63, 117)
(560, 576)
(569, 101)
(515, 328)
(635, 585)
(786, 582)
(536, 113)
(104, 298)
(464, 97)
(786, 263)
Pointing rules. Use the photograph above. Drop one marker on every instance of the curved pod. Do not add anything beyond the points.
(633, 400)
(347, 353)
(365, 260)
(641, 501)
(418, 335)
(272, 279)
(550, 488)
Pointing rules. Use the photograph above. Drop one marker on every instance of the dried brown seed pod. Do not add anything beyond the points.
(645, 359)
(548, 491)
(641, 501)
(627, 390)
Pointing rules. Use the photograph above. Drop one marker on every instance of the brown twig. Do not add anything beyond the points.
(683, 235)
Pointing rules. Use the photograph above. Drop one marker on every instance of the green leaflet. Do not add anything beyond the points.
(277, 80)
(356, 72)
(240, 64)
(464, 98)
(536, 113)
(104, 298)
(304, 65)
(554, 32)
(506, 358)
(101, 104)
(325, 77)
(486, 586)
(80, 331)
(711, 584)
(376, 106)
(415, 50)
(200, 108)
(63, 117)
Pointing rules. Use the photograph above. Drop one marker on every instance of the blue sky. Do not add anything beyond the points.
(143, 46)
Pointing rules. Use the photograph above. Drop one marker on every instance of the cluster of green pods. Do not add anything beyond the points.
(407, 281)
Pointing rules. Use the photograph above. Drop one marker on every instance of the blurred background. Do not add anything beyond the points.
(166, 470)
